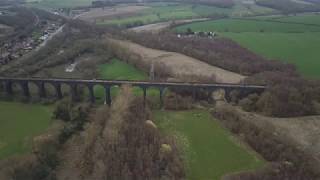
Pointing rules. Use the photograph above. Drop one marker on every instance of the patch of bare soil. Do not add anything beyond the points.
(156, 27)
(107, 13)
(304, 132)
(180, 65)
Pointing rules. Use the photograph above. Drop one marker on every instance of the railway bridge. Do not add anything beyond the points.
(8, 83)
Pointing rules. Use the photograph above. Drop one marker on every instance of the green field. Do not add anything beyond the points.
(301, 49)
(239, 26)
(170, 11)
(292, 43)
(59, 3)
(118, 70)
(303, 18)
(210, 150)
(18, 124)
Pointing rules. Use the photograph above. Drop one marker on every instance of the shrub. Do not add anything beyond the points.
(249, 103)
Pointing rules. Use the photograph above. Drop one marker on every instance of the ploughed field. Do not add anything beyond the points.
(19, 123)
(293, 39)
(210, 151)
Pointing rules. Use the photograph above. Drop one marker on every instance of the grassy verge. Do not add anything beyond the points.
(19, 123)
(210, 151)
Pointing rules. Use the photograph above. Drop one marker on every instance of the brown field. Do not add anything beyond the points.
(107, 13)
(163, 25)
(179, 64)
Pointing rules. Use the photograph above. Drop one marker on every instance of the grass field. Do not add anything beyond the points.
(171, 11)
(292, 43)
(59, 3)
(305, 18)
(239, 26)
(301, 49)
(18, 124)
(210, 150)
(118, 70)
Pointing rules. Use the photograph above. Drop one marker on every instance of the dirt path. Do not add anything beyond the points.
(99, 13)
(156, 27)
(179, 64)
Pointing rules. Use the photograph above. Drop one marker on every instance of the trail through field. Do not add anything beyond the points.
(96, 13)
(180, 65)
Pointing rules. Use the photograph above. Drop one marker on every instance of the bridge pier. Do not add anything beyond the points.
(161, 90)
(91, 93)
(227, 94)
(108, 95)
(42, 90)
(8, 87)
(25, 88)
(194, 93)
(74, 92)
(144, 89)
(57, 87)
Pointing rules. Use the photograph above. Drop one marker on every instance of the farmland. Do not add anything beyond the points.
(59, 3)
(209, 149)
(26, 120)
(164, 12)
(289, 42)
(118, 70)
(242, 25)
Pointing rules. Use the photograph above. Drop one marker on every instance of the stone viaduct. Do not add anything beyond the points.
(7, 84)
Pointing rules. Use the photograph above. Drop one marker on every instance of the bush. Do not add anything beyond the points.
(62, 110)
(249, 103)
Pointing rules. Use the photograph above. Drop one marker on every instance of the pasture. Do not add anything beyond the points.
(293, 43)
(209, 150)
(26, 121)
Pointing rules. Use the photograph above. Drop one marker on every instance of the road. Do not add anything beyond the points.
(44, 43)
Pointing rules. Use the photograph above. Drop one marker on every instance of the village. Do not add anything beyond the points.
(22, 45)
(202, 34)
